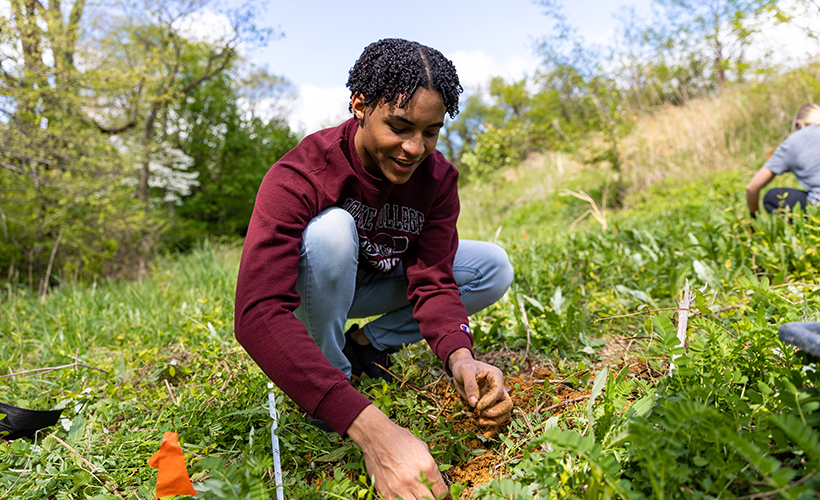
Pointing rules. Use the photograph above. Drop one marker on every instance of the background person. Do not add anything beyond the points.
(360, 220)
(800, 154)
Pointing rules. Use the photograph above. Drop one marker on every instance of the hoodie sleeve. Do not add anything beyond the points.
(432, 289)
(266, 298)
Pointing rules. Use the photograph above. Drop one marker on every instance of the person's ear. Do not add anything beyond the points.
(358, 106)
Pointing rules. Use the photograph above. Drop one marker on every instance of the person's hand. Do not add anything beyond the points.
(396, 459)
(482, 385)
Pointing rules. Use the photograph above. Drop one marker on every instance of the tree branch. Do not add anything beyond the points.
(769, 494)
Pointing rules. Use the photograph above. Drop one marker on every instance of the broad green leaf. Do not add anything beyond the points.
(335, 455)
(700, 303)
(534, 302)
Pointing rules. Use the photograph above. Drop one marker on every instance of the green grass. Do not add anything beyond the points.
(738, 418)
(159, 355)
(528, 199)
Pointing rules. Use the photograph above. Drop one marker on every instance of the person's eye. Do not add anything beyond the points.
(396, 129)
(431, 133)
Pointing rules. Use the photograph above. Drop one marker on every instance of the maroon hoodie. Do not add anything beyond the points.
(413, 223)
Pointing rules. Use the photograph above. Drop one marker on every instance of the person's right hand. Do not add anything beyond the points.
(395, 458)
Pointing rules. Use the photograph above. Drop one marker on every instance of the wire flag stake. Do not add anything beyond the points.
(277, 464)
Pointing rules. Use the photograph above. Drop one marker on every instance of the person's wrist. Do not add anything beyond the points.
(458, 355)
(365, 427)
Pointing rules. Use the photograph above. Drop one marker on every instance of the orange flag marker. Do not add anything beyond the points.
(172, 477)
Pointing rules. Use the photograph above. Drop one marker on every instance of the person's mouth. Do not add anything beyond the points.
(404, 164)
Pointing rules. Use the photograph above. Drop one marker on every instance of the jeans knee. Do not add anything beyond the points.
(503, 272)
(771, 201)
(330, 244)
(484, 274)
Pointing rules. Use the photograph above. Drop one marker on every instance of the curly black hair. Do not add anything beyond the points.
(392, 69)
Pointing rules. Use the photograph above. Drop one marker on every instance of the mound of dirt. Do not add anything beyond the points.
(539, 392)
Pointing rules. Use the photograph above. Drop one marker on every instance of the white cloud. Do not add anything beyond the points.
(477, 67)
(319, 107)
(205, 25)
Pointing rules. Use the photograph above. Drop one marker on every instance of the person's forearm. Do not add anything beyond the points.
(758, 182)
(753, 200)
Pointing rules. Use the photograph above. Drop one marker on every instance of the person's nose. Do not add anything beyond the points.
(414, 146)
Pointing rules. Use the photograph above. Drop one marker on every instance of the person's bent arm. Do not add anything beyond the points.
(395, 458)
(758, 182)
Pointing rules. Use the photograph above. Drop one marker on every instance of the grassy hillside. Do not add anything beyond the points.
(671, 146)
(586, 338)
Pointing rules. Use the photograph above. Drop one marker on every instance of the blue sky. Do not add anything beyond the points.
(484, 38)
(323, 38)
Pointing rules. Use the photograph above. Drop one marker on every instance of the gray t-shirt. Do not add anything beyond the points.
(800, 154)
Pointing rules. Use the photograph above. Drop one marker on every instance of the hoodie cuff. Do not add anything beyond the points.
(341, 406)
(450, 344)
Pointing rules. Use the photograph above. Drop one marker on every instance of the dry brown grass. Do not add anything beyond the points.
(678, 142)
(735, 130)
(484, 205)
(681, 144)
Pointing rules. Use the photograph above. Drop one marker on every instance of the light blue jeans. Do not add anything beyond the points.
(332, 287)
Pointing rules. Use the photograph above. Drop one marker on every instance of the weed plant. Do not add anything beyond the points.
(738, 417)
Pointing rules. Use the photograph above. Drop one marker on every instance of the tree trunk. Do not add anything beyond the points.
(718, 54)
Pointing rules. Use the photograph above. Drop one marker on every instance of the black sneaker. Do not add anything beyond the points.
(350, 354)
(319, 424)
(366, 358)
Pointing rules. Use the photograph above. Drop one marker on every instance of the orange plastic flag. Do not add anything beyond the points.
(172, 477)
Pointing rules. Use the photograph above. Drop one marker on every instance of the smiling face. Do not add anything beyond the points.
(391, 141)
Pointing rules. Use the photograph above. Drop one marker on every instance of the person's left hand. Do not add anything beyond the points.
(482, 385)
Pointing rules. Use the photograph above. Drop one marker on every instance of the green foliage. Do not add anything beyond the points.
(738, 416)
(63, 202)
(231, 153)
(95, 154)
(496, 133)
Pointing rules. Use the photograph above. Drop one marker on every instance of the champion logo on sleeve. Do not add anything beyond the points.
(465, 328)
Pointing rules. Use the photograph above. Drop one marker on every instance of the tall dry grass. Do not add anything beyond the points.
(487, 203)
(735, 130)
(680, 144)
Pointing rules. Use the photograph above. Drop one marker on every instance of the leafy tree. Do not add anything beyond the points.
(590, 101)
(265, 95)
(501, 128)
(717, 32)
(63, 202)
(647, 70)
(232, 149)
(152, 50)
(86, 94)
